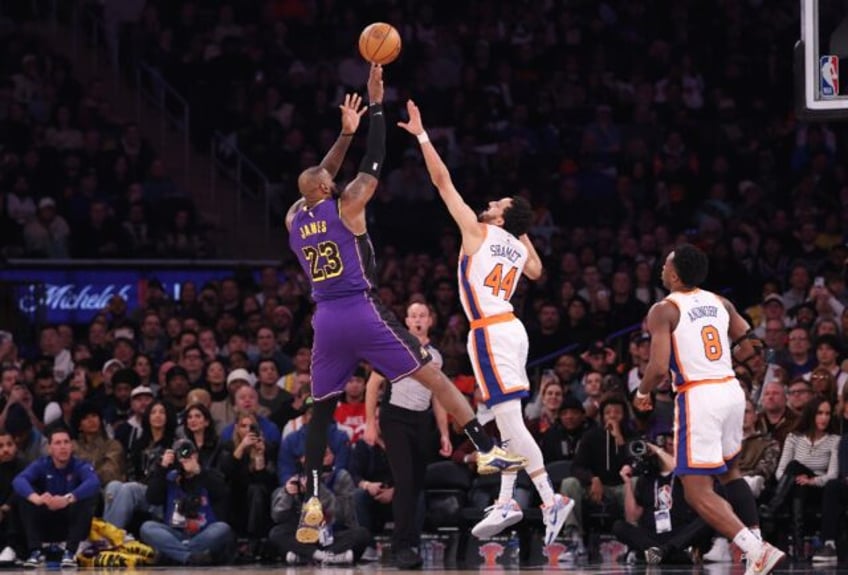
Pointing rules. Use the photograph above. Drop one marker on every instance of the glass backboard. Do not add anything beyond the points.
(821, 60)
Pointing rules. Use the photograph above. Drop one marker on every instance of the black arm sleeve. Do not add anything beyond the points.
(372, 163)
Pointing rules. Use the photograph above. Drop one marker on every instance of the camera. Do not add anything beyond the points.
(642, 460)
(190, 505)
(183, 448)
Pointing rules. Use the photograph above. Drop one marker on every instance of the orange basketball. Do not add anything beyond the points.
(379, 43)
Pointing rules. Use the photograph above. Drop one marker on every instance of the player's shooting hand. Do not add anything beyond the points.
(375, 84)
(414, 126)
(352, 110)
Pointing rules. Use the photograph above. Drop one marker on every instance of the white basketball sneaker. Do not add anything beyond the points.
(763, 562)
(498, 517)
(555, 515)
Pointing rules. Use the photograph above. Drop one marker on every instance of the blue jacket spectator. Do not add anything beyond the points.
(293, 449)
(58, 496)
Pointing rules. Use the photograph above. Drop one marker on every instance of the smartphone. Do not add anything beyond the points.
(771, 355)
(819, 282)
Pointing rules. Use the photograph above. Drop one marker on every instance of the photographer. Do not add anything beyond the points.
(194, 498)
(658, 523)
(341, 541)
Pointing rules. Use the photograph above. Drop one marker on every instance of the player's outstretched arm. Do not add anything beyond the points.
(439, 174)
(359, 191)
(352, 110)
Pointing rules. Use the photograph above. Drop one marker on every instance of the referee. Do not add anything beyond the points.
(405, 424)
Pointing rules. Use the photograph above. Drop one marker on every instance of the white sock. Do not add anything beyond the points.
(748, 542)
(544, 487)
(507, 486)
(756, 531)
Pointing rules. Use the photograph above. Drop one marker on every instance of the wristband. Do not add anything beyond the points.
(423, 138)
(640, 395)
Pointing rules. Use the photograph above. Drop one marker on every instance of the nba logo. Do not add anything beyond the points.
(829, 69)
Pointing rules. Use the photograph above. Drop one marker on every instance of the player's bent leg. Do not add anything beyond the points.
(712, 508)
(514, 433)
(740, 497)
(446, 392)
(761, 557)
(491, 459)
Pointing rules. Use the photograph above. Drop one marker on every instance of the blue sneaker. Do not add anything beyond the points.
(35, 560)
(69, 561)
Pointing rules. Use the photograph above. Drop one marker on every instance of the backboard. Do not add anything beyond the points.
(821, 61)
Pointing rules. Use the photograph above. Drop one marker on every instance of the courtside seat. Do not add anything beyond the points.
(446, 488)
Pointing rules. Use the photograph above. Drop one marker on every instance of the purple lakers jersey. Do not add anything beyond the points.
(337, 262)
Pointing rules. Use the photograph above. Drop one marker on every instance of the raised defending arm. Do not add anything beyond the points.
(466, 219)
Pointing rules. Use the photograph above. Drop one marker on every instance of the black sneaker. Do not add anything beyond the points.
(407, 559)
(825, 554)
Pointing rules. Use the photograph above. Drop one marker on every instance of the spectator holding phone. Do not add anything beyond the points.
(247, 463)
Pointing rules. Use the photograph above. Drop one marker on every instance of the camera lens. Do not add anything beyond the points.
(638, 448)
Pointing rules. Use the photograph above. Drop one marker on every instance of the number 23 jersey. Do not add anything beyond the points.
(488, 278)
(700, 345)
(337, 262)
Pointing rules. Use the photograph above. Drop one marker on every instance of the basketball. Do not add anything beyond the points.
(379, 43)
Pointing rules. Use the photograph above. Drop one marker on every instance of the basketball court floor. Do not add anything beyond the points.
(597, 569)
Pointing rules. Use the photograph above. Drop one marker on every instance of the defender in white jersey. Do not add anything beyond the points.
(691, 334)
(495, 253)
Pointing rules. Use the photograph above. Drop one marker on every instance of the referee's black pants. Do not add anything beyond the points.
(409, 448)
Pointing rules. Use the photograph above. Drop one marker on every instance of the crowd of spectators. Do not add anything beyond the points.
(134, 391)
(78, 181)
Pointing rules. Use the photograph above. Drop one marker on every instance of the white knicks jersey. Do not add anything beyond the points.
(700, 344)
(488, 278)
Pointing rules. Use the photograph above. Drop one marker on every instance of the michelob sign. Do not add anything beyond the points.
(77, 295)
